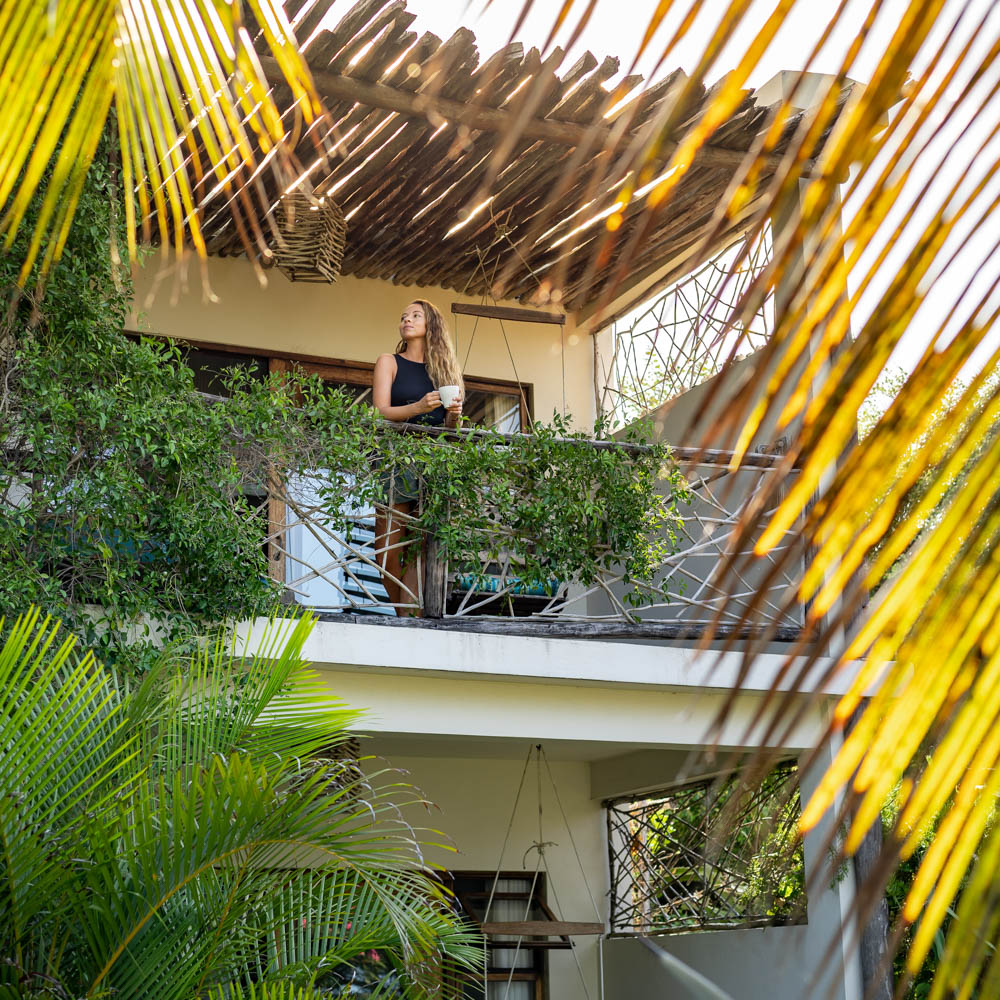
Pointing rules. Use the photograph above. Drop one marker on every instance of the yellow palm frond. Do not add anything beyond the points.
(869, 223)
(182, 74)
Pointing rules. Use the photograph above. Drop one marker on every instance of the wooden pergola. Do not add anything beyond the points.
(502, 177)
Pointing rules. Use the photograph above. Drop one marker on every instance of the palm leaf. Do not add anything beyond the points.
(176, 72)
(403, 916)
(266, 703)
(142, 859)
(65, 748)
(280, 990)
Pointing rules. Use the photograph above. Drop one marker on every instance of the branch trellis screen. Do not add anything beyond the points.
(689, 588)
(332, 562)
(684, 337)
(708, 856)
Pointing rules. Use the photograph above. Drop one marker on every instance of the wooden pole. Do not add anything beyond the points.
(434, 579)
(508, 312)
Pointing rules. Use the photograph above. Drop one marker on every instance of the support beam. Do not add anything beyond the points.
(481, 118)
(507, 312)
(335, 87)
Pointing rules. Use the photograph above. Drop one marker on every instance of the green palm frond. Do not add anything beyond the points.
(154, 839)
(265, 703)
(357, 913)
(280, 990)
(178, 73)
(65, 750)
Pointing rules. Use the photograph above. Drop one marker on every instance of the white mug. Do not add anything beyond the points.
(449, 394)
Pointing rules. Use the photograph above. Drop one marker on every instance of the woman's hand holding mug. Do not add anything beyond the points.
(451, 398)
(430, 402)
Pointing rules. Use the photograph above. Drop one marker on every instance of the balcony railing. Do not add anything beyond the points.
(333, 561)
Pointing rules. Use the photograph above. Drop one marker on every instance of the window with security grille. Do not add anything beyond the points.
(708, 855)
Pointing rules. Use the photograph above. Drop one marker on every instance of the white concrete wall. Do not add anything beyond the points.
(473, 801)
(419, 680)
(414, 649)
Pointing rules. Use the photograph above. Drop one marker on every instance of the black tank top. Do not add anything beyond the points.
(412, 383)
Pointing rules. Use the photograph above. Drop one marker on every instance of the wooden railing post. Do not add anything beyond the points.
(434, 579)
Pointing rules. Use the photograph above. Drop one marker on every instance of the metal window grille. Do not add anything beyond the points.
(710, 855)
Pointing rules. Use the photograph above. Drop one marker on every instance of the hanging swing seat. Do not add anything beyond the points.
(540, 923)
(541, 928)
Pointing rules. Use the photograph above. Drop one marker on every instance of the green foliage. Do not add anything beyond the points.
(877, 406)
(128, 494)
(121, 503)
(135, 512)
(559, 507)
(123, 493)
(727, 853)
(152, 836)
(918, 987)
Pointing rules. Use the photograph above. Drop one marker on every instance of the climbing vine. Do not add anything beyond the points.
(562, 504)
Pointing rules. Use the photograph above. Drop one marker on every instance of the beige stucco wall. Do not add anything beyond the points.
(357, 319)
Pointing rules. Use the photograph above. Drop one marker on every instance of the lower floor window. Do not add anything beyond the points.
(708, 855)
(515, 968)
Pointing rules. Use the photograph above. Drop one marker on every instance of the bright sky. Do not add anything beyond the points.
(617, 26)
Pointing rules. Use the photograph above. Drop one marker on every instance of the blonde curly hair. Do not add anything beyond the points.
(442, 365)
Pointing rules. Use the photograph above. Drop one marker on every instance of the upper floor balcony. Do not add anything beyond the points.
(529, 535)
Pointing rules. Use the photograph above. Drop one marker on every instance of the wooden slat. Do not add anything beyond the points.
(507, 312)
(434, 579)
(358, 41)
(431, 172)
(573, 630)
(542, 928)
(448, 73)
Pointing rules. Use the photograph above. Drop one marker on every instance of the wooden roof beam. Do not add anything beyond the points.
(336, 87)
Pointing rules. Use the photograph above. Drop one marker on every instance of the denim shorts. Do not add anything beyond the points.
(401, 485)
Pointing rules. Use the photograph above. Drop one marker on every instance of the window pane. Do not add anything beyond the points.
(501, 411)
(209, 366)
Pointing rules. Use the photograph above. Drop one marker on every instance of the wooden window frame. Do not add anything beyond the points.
(357, 372)
(537, 975)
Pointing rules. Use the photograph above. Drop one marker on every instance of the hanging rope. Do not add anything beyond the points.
(583, 873)
(562, 354)
(506, 837)
(503, 330)
(572, 839)
(527, 913)
(540, 846)
(496, 878)
(472, 340)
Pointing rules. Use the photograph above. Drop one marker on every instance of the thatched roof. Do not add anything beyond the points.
(424, 133)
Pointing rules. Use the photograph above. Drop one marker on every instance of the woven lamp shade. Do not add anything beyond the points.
(313, 236)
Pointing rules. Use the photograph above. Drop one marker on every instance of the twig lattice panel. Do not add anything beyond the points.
(709, 855)
(683, 337)
(688, 587)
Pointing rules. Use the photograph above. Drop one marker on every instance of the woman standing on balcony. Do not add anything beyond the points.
(405, 390)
